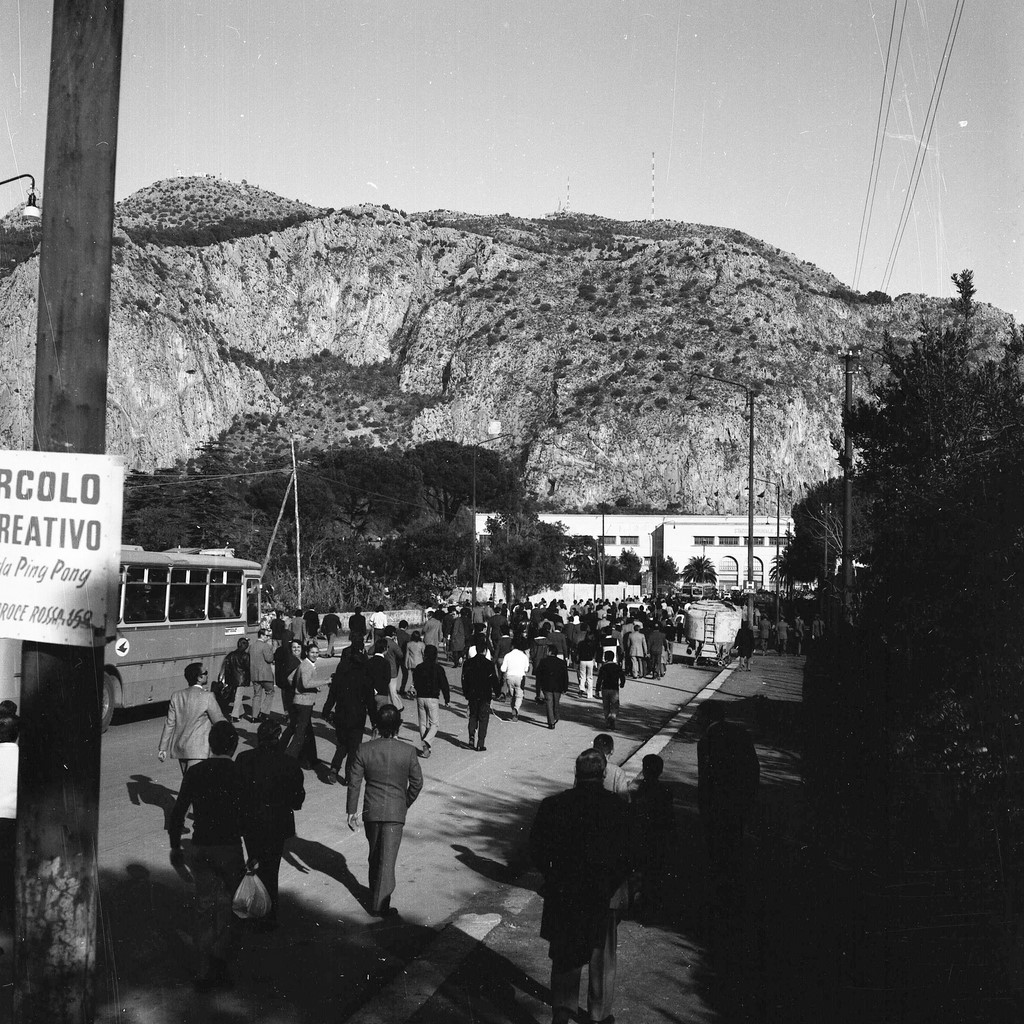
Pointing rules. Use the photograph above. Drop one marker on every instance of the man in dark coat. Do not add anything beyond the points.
(552, 681)
(351, 700)
(286, 660)
(213, 790)
(357, 625)
(272, 791)
(394, 779)
(233, 676)
(479, 684)
(331, 627)
(580, 843)
(728, 775)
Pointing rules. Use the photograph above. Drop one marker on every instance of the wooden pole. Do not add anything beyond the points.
(280, 516)
(59, 771)
(298, 545)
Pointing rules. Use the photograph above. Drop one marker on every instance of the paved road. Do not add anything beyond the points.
(464, 841)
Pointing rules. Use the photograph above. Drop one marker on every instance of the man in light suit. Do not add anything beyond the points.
(190, 714)
(393, 781)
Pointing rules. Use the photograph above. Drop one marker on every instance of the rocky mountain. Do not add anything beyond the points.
(241, 316)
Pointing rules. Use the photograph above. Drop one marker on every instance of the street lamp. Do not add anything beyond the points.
(493, 434)
(751, 392)
(31, 210)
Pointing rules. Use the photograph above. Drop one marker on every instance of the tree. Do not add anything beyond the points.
(700, 569)
(524, 553)
(630, 566)
(376, 490)
(665, 571)
(581, 555)
(446, 469)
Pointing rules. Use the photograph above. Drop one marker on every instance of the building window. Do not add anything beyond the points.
(758, 542)
(703, 541)
(606, 539)
(774, 541)
(731, 541)
(629, 540)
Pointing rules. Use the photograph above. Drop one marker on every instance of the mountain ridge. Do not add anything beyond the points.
(246, 319)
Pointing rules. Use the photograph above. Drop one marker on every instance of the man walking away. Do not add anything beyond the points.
(213, 789)
(261, 672)
(479, 685)
(393, 778)
(653, 829)
(351, 700)
(588, 826)
(610, 679)
(430, 681)
(514, 667)
(331, 627)
(636, 650)
(586, 651)
(272, 791)
(615, 780)
(728, 775)
(552, 681)
(356, 626)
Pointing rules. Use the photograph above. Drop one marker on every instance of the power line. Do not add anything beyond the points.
(879, 144)
(922, 148)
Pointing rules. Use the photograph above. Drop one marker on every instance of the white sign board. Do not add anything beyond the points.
(60, 546)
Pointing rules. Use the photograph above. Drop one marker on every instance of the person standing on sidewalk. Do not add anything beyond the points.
(393, 781)
(479, 685)
(610, 679)
(588, 826)
(261, 672)
(653, 829)
(286, 663)
(430, 681)
(190, 715)
(213, 789)
(728, 774)
(272, 791)
(552, 681)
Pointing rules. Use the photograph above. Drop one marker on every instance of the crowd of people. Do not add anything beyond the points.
(622, 827)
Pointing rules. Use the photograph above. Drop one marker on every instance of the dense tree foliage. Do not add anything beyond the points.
(700, 569)
(525, 554)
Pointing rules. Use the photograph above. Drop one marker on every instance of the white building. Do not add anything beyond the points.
(723, 539)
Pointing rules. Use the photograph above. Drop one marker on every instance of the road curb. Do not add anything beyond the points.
(670, 729)
(404, 995)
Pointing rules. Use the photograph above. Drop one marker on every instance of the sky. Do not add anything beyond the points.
(761, 115)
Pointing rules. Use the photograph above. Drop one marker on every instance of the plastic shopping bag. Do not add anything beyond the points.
(251, 897)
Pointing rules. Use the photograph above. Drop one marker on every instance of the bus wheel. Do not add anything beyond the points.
(106, 702)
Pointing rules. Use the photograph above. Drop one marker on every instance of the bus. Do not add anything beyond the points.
(175, 607)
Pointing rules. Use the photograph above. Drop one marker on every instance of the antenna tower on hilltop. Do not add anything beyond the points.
(652, 184)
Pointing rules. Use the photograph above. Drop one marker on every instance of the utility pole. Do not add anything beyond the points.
(750, 514)
(849, 358)
(59, 771)
(298, 546)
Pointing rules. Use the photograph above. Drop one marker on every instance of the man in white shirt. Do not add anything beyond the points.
(378, 622)
(514, 667)
(615, 780)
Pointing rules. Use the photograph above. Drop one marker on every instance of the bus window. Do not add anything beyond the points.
(252, 602)
(145, 594)
(225, 594)
(188, 594)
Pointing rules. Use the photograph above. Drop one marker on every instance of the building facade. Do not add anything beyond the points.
(722, 539)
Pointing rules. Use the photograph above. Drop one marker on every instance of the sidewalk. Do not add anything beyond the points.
(698, 960)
